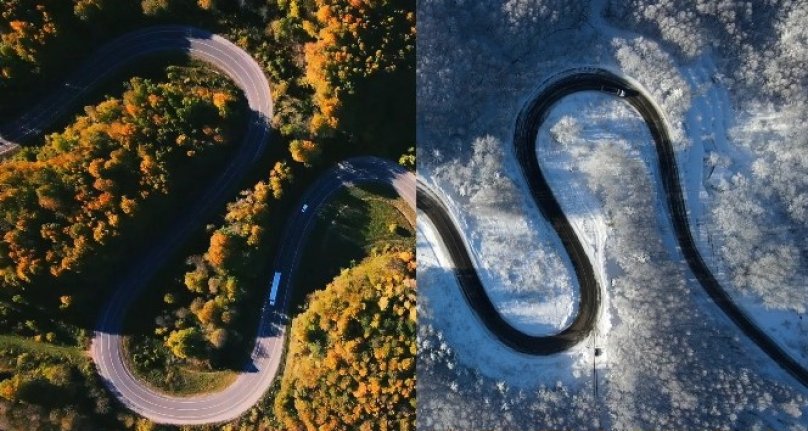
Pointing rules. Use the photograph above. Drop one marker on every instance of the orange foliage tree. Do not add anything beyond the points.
(26, 26)
(354, 39)
(62, 205)
(304, 151)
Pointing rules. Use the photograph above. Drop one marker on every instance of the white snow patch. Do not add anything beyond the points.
(441, 303)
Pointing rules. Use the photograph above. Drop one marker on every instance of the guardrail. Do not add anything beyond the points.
(8, 150)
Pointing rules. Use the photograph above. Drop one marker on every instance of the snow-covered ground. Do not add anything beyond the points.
(746, 161)
(671, 358)
(744, 235)
(465, 334)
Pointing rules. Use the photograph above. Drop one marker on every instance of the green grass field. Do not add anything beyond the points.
(171, 377)
(17, 344)
(354, 223)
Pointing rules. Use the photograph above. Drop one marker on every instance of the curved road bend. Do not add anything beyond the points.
(129, 48)
(527, 127)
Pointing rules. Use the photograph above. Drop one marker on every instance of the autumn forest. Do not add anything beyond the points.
(84, 200)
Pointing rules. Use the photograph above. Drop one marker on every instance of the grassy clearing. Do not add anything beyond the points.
(22, 344)
(44, 383)
(152, 363)
(356, 221)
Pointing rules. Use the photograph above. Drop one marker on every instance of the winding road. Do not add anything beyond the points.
(107, 349)
(126, 50)
(266, 356)
(250, 385)
(528, 123)
(473, 290)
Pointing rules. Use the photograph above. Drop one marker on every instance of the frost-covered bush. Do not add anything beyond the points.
(783, 62)
(761, 219)
(783, 164)
(566, 130)
(645, 61)
(762, 45)
(521, 15)
(453, 396)
(464, 46)
(690, 26)
(759, 216)
(482, 180)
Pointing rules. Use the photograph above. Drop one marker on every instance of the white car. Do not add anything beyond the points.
(619, 92)
(305, 207)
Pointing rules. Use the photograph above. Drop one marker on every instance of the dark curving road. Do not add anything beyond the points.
(106, 349)
(527, 127)
(472, 288)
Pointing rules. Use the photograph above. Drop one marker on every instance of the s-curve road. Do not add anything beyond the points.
(526, 131)
(266, 356)
(473, 290)
(250, 78)
(107, 350)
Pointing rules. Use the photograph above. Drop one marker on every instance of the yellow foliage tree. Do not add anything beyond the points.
(353, 42)
(350, 363)
(220, 248)
(303, 151)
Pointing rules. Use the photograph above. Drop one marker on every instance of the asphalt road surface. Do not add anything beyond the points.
(526, 132)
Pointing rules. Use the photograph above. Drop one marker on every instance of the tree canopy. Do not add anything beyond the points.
(351, 361)
(355, 39)
(63, 205)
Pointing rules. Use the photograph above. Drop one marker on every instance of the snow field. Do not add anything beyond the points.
(671, 359)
